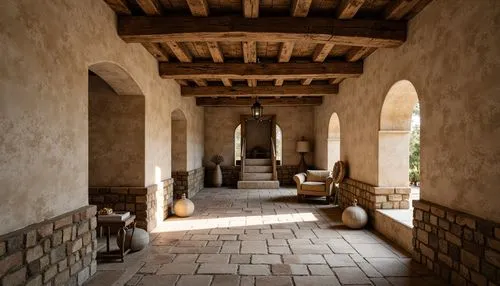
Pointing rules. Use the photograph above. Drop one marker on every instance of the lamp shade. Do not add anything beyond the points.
(303, 146)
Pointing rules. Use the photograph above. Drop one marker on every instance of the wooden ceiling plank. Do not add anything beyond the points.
(182, 82)
(321, 52)
(348, 8)
(157, 51)
(151, 7)
(285, 52)
(260, 71)
(250, 8)
(265, 101)
(357, 53)
(250, 56)
(396, 10)
(200, 82)
(198, 8)
(355, 32)
(242, 91)
(335, 81)
(278, 82)
(300, 8)
(119, 6)
(215, 52)
(180, 52)
(306, 81)
(227, 82)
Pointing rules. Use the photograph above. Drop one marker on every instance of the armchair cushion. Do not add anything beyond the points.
(317, 176)
(313, 186)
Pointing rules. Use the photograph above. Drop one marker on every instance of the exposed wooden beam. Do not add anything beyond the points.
(335, 81)
(200, 82)
(227, 82)
(278, 82)
(180, 52)
(215, 52)
(285, 52)
(321, 52)
(119, 6)
(239, 91)
(250, 8)
(306, 81)
(157, 51)
(267, 101)
(348, 8)
(260, 71)
(182, 82)
(300, 8)
(399, 8)
(356, 32)
(151, 7)
(250, 56)
(357, 53)
(198, 7)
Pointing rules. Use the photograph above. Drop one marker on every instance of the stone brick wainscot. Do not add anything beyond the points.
(188, 182)
(231, 175)
(59, 251)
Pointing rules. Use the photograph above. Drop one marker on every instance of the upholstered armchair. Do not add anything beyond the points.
(314, 183)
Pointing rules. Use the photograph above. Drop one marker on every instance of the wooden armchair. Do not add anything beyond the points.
(314, 183)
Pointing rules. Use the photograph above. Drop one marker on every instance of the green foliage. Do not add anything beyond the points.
(414, 174)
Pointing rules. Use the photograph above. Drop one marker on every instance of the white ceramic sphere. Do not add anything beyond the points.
(184, 207)
(354, 216)
(137, 241)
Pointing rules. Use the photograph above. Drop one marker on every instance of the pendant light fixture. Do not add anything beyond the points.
(257, 109)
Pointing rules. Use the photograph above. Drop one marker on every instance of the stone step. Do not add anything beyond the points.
(258, 169)
(257, 176)
(258, 184)
(258, 162)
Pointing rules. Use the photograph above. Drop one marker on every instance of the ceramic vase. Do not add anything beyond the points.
(135, 239)
(354, 216)
(217, 177)
(184, 207)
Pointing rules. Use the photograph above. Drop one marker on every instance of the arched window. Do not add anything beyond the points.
(237, 145)
(333, 141)
(279, 145)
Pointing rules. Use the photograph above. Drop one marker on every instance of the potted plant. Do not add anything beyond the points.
(217, 176)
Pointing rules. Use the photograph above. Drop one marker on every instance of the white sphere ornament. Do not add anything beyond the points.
(135, 239)
(184, 207)
(354, 216)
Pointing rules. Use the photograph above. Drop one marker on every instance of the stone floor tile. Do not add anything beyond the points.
(266, 259)
(283, 236)
(304, 233)
(369, 270)
(360, 239)
(185, 258)
(299, 269)
(357, 258)
(199, 231)
(303, 259)
(340, 246)
(309, 249)
(149, 268)
(253, 247)
(316, 281)
(240, 258)
(326, 233)
(228, 237)
(373, 250)
(216, 268)
(405, 281)
(204, 237)
(215, 243)
(299, 241)
(206, 249)
(255, 237)
(389, 266)
(277, 242)
(247, 281)
(230, 249)
(226, 280)
(134, 280)
(351, 275)
(159, 258)
(255, 270)
(228, 231)
(281, 269)
(380, 282)
(339, 260)
(192, 243)
(279, 250)
(273, 281)
(194, 280)
(153, 280)
(213, 258)
(320, 269)
(177, 268)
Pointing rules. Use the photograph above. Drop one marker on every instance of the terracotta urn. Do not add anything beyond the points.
(184, 207)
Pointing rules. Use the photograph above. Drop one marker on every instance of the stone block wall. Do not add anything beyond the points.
(140, 201)
(168, 197)
(286, 173)
(371, 197)
(188, 182)
(59, 251)
(461, 248)
(231, 175)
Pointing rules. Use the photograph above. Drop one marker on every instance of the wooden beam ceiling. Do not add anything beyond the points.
(261, 71)
(369, 33)
(267, 101)
(397, 9)
(348, 8)
(244, 91)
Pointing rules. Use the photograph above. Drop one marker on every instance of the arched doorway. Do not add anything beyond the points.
(237, 145)
(116, 111)
(179, 141)
(333, 140)
(395, 135)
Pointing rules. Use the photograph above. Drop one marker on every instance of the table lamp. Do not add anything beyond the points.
(302, 147)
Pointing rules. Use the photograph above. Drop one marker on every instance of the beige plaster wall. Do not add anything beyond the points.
(179, 145)
(452, 57)
(46, 52)
(220, 123)
(116, 136)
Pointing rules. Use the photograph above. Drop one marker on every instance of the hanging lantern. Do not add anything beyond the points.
(257, 109)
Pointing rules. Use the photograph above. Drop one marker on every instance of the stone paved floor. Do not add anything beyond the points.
(263, 237)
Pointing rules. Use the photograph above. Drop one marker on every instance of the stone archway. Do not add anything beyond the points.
(179, 141)
(394, 135)
(333, 145)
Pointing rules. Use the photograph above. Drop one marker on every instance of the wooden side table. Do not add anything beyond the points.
(122, 225)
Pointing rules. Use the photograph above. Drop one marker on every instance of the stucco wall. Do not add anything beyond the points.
(452, 57)
(116, 136)
(46, 52)
(220, 123)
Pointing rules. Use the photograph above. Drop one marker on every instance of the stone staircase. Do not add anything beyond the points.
(258, 174)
